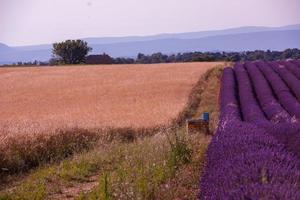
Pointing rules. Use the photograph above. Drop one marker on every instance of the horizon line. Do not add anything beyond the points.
(148, 35)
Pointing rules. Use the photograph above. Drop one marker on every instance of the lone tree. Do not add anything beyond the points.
(71, 51)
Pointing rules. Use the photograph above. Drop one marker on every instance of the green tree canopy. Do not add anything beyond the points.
(71, 51)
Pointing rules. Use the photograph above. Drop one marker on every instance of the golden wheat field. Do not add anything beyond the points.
(37, 99)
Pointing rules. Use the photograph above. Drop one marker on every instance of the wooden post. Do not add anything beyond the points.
(197, 126)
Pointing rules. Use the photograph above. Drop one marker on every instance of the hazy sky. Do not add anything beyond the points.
(24, 22)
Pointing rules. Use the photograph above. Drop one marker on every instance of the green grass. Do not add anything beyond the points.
(130, 170)
(79, 170)
(144, 166)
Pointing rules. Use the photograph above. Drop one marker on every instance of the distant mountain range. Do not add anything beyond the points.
(235, 39)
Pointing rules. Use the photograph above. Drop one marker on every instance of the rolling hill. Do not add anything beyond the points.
(235, 39)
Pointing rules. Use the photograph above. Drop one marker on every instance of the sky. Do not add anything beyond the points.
(30, 22)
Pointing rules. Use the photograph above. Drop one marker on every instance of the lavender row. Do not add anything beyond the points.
(249, 105)
(292, 67)
(253, 160)
(289, 78)
(287, 133)
(229, 102)
(283, 93)
(269, 104)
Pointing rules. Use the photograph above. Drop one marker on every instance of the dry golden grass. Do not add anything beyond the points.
(51, 113)
(166, 166)
(36, 99)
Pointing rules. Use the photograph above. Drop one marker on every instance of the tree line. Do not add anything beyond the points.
(219, 56)
(76, 52)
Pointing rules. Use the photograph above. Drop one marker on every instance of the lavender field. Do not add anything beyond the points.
(255, 153)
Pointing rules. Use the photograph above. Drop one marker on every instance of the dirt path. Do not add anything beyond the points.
(74, 190)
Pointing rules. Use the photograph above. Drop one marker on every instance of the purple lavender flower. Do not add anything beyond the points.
(249, 105)
(252, 156)
(283, 93)
(269, 104)
(289, 78)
